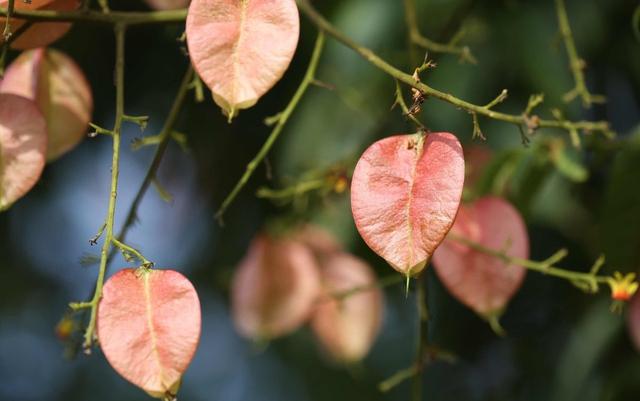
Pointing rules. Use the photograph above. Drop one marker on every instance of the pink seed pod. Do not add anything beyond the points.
(347, 327)
(241, 49)
(23, 144)
(319, 240)
(149, 327)
(405, 193)
(483, 282)
(274, 288)
(40, 33)
(61, 91)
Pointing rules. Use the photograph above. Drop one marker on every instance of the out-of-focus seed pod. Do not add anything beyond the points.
(61, 91)
(23, 144)
(40, 33)
(274, 288)
(319, 240)
(345, 323)
(483, 282)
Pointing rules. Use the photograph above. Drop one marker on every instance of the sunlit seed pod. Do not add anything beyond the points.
(23, 145)
(274, 288)
(241, 49)
(40, 33)
(347, 327)
(149, 327)
(61, 91)
(405, 193)
(483, 282)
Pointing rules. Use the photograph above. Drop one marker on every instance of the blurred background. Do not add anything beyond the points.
(562, 344)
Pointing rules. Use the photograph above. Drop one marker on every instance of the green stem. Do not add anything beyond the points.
(423, 336)
(120, 30)
(405, 110)
(164, 138)
(416, 37)
(517, 119)
(6, 32)
(111, 17)
(381, 283)
(292, 191)
(576, 64)
(545, 267)
(128, 250)
(308, 79)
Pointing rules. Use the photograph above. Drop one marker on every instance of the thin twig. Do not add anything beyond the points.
(545, 267)
(516, 119)
(111, 17)
(416, 37)
(576, 64)
(164, 137)
(120, 31)
(399, 100)
(423, 337)
(282, 118)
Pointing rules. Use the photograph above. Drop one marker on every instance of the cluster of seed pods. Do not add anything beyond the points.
(285, 282)
(46, 104)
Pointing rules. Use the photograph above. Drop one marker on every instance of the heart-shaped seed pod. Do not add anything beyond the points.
(274, 288)
(149, 327)
(347, 324)
(483, 282)
(23, 144)
(405, 193)
(241, 48)
(61, 91)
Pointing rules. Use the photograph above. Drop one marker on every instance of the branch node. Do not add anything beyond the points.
(97, 130)
(477, 133)
(141, 121)
(499, 99)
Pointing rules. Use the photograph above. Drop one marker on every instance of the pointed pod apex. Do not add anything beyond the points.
(405, 193)
(494, 322)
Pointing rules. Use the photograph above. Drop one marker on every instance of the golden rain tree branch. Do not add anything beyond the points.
(120, 32)
(163, 141)
(92, 16)
(417, 38)
(516, 119)
(576, 64)
(281, 118)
